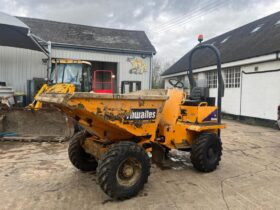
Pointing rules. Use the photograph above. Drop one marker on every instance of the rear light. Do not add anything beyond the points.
(200, 38)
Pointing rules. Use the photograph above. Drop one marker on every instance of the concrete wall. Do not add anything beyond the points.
(121, 59)
(19, 65)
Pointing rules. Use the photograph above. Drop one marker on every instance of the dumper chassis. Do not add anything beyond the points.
(121, 129)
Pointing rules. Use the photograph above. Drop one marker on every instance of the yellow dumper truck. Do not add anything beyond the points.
(121, 129)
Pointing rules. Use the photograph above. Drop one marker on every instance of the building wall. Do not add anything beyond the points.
(124, 65)
(261, 91)
(19, 65)
(271, 65)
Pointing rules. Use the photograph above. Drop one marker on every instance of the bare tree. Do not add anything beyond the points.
(158, 68)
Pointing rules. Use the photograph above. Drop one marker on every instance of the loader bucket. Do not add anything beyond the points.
(34, 125)
(112, 116)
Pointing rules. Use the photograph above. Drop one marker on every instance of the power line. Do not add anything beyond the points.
(191, 18)
(179, 18)
(171, 46)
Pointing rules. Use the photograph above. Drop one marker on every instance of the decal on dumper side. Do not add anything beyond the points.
(141, 114)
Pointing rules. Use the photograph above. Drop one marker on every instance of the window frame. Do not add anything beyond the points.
(212, 79)
(232, 77)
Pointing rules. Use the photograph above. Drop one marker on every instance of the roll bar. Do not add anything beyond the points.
(221, 87)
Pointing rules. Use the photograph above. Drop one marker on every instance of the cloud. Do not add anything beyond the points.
(171, 25)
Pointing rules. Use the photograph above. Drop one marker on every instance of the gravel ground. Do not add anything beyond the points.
(40, 176)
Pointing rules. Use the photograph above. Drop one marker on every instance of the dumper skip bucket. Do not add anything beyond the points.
(112, 116)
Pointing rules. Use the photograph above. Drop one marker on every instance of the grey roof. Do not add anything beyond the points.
(60, 33)
(14, 33)
(9, 20)
(240, 43)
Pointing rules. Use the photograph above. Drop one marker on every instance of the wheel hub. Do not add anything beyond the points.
(129, 172)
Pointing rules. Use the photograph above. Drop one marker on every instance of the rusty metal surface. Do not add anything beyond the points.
(106, 115)
(119, 96)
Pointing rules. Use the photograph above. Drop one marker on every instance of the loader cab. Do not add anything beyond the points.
(74, 72)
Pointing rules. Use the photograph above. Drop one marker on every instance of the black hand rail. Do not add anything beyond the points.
(221, 86)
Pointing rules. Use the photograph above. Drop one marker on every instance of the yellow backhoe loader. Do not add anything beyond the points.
(120, 130)
(41, 122)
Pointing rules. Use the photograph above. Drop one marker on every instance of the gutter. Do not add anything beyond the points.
(253, 60)
(38, 45)
(260, 72)
(103, 49)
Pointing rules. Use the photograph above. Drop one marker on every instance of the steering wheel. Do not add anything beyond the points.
(176, 83)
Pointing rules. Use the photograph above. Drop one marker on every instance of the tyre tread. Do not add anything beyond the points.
(108, 159)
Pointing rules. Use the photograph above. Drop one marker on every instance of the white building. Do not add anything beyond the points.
(251, 69)
(127, 53)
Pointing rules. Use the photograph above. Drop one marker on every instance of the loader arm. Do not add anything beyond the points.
(37, 104)
(61, 88)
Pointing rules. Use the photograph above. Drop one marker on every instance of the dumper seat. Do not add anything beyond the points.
(198, 95)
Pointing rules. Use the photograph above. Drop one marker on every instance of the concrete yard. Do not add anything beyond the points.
(39, 176)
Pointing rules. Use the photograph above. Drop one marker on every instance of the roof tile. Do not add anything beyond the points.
(83, 35)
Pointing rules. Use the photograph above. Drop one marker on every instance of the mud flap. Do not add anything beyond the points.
(159, 155)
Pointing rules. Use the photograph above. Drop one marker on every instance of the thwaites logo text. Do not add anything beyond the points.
(142, 114)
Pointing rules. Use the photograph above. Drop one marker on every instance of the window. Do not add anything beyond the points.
(257, 28)
(195, 77)
(212, 79)
(277, 23)
(232, 77)
(225, 40)
(67, 73)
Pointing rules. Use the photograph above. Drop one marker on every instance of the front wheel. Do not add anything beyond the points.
(77, 155)
(206, 152)
(123, 170)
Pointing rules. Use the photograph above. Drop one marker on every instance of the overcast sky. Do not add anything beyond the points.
(171, 25)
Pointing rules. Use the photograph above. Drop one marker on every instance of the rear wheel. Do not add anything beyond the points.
(206, 152)
(123, 170)
(77, 155)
